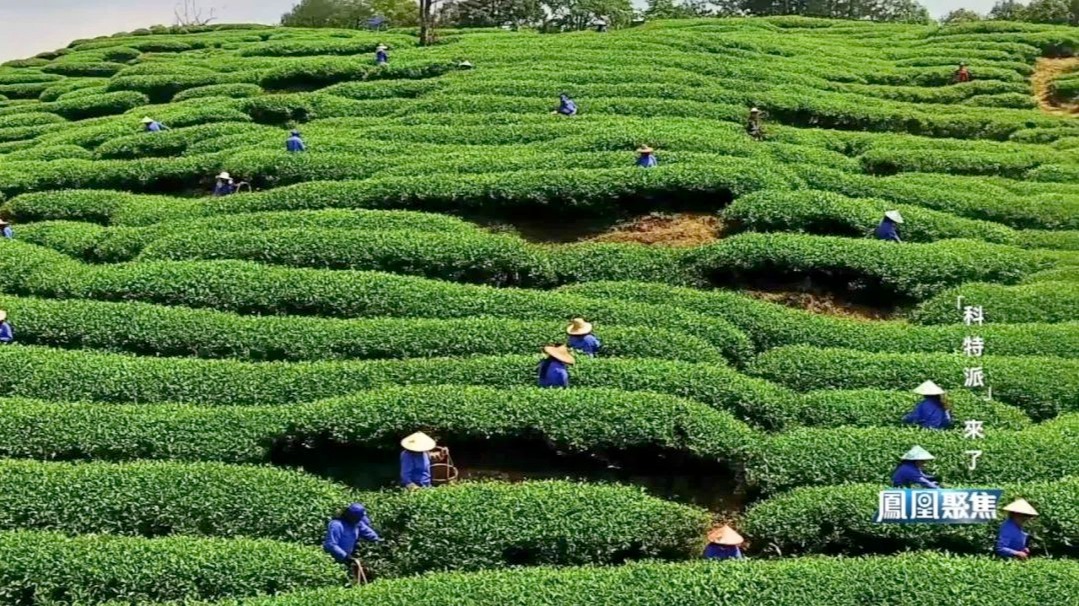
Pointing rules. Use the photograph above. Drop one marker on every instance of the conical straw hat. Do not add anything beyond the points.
(418, 442)
(754, 110)
(147, 120)
(918, 453)
(224, 175)
(644, 149)
(929, 388)
(1021, 506)
(560, 353)
(3, 315)
(725, 536)
(894, 216)
(578, 327)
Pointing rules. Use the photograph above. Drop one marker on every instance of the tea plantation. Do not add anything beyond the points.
(197, 384)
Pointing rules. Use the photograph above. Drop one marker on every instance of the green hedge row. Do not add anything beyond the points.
(176, 331)
(1042, 386)
(235, 91)
(32, 270)
(840, 519)
(1043, 301)
(772, 325)
(827, 213)
(816, 457)
(50, 568)
(580, 420)
(470, 526)
(172, 142)
(915, 271)
(906, 579)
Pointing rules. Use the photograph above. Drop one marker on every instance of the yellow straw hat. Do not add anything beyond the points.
(929, 388)
(225, 176)
(1021, 506)
(644, 149)
(560, 353)
(3, 315)
(578, 327)
(418, 442)
(147, 120)
(725, 536)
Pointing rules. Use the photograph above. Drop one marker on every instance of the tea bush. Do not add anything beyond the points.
(1043, 301)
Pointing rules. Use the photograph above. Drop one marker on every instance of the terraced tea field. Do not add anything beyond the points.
(197, 384)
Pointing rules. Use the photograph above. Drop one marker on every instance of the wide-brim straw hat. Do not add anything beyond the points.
(578, 327)
(894, 216)
(147, 120)
(224, 176)
(929, 388)
(725, 536)
(3, 315)
(465, 64)
(644, 149)
(4, 222)
(918, 454)
(1021, 506)
(754, 110)
(381, 47)
(560, 353)
(418, 442)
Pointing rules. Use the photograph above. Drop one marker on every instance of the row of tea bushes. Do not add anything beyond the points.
(473, 526)
(1054, 299)
(840, 519)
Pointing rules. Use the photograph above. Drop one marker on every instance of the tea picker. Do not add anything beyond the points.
(724, 544)
(153, 126)
(962, 74)
(294, 143)
(7, 335)
(646, 157)
(225, 185)
(566, 106)
(581, 337)
(754, 127)
(425, 463)
(554, 368)
(5, 230)
(1012, 541)
(932, 412)
(381, 56)
(344, 532)
(911, 470)
(887, 228)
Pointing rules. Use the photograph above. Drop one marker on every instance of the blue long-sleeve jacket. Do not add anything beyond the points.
(908, 475)
(647, 161)
(7, 335)
(224, 188)
(341, 538)
(1011, 539)
(381, 57)
(587, 344)
(553, 373)
(155, 127)
(567, 107)
(295, 144)
(7, 232)
(415, 468)
(886, 231)
(722, 552)
(930, 414)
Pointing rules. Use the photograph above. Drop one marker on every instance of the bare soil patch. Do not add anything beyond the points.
(676, 229)
(823, 303)
(1045, 71)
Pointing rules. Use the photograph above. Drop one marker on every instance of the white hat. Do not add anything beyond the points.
(380, 47)
(3, 315)
(418, 442)
(754, 110)
(147, 120)
(465, 64)
(225, 176)
(918, 453)
(1021, 506)
(929, 388)
(578, 327)
(894, 216)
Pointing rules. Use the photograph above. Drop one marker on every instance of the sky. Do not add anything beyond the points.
(28, 27)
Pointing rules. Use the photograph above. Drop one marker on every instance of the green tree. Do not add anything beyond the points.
(579, 14)
(1007, 10)
(350, 13)
(961, 15)
(686, 9)
(1047, 11)
(493, 13)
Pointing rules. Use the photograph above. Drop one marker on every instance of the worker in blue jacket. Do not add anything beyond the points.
(5, 230)
(645, 157)
(1012, 541)
(153, 126)
(420, 450)
(581, 337)
(911, 470)
(345, 531)
(381, 56)
(294, 143)
(887, 228)
(566, 106)
(224, 186)
(724, 544)
(932, 412)
(7, 335)
(554, 369)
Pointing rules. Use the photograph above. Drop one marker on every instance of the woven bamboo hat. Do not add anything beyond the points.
(894, 216)
(754, 110)
(4, 222)
(725, 535)
(3, 315)
(918, 453)
(644, 149)
(225, 176)
(560, 353)
(1021, 506)
(380, 47)
(418, 442)
(147, 120)
(929, 388)
(578, 327)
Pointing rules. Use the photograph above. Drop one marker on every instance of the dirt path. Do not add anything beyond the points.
(1045, 71)
(680, 229)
